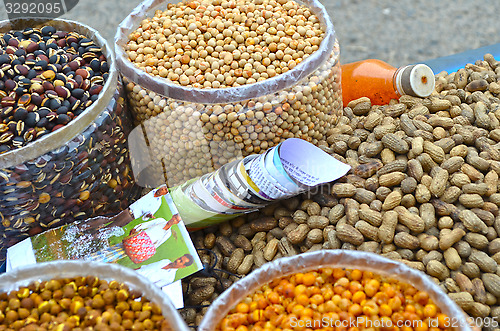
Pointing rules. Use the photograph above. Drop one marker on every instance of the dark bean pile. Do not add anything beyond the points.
(47, 78)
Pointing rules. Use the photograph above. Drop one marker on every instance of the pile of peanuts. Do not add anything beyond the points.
(214, 45)
(79, 303)
(334, 297)
(423, 189)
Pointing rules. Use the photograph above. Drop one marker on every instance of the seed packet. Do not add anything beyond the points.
(148, 237)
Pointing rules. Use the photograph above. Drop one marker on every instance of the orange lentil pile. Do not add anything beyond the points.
(336, 299)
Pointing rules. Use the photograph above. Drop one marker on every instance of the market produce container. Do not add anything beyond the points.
(23, 276)
(337, 259)
(190, 131)
(78, 171)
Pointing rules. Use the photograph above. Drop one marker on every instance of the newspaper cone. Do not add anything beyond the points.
(242, 186)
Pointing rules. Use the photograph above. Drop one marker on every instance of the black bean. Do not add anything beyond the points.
(6, 38)
(43, 111)
(40, 65)
(48, 30)
(20, 52)
(28, 31)
(21, 90)
(78, 93)
(31, 74)
(95, 64)
(42, 133)
(39, 52)
(42, 122)
(61, 77)
(52, 45)
(50, 126)
(84, 42)
(104, 66)
(54, 104)
(63, 119)
(54, 59)
(35, 37)
(16, 62)
(4, 58)
(62, 110)
(45, 103)
(32, 119)
(52, 67)
(67, 70)
(18, 141)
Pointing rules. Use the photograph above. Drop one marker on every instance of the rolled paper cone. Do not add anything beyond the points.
(284, 171)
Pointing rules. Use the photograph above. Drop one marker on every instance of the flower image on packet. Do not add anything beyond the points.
(139, 247)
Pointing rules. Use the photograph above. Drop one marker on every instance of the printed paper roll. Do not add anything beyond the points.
(242, 186)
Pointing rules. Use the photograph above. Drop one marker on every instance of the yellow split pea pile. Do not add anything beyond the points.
(231, 48)
(333, 298)
(79, 303)
(212, 44)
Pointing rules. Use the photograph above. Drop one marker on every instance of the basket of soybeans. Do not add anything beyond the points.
(211, 81)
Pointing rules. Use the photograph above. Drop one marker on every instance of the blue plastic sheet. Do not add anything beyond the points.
(452, 63)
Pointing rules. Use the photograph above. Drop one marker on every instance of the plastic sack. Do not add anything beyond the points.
(330, 258)
(186, 132)
(23, 276)
(77, 172)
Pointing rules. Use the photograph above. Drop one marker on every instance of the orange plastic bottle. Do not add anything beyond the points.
(382, 82)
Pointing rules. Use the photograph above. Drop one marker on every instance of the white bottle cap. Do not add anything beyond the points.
(416, 80)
